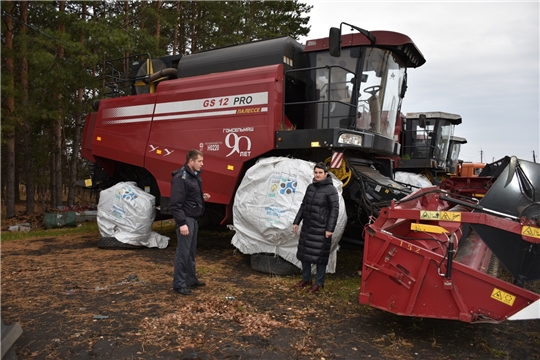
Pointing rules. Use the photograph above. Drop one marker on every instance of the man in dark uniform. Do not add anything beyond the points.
(187, 205)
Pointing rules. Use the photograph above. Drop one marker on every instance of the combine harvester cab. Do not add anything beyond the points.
(426, 142)
(442, 254)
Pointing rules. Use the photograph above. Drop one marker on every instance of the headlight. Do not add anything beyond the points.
(351, 139)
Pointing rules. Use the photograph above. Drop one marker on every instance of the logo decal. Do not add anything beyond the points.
(234, 142)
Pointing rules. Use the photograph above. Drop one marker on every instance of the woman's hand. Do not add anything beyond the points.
(295, 229)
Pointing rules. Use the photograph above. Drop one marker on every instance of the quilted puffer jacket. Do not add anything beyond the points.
(319, 212)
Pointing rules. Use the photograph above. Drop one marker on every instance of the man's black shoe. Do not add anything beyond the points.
(183, 291)
(197, 284)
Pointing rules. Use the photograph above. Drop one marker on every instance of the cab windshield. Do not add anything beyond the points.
(427, 139)
(453, 155)
(369, 101)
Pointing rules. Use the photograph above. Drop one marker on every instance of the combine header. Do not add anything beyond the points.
(442, 254)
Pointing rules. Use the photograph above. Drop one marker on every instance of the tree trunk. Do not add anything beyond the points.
(52, 184)
(126, 53)
(27, 129)
(158, 23)
(10, 173)
(76, 137)
(41, 191)
(193, 29)
(57, 129)
(56, 195)
(175, 46)
(8, 127)
(143, 4)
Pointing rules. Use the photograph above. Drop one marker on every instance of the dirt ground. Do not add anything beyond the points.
(76, 301)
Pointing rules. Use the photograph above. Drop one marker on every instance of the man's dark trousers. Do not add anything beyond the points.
(184, 262)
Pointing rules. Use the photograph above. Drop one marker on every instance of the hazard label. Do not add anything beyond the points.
(530, 231)
(450, 216)
(440, 215)
(503, 297)
(430, 215)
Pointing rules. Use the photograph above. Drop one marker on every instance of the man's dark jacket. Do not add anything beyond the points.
(319, 212)
(186, 195)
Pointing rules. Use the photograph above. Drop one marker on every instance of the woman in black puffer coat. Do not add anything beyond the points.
(319, 212)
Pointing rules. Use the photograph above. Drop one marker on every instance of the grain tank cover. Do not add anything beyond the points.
(249, 55)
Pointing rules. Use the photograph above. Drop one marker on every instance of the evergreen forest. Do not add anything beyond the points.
(54, 56)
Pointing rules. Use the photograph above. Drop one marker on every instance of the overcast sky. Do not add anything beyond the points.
(482, 62)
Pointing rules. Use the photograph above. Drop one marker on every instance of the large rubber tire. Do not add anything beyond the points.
(272, 264)
(111, 243)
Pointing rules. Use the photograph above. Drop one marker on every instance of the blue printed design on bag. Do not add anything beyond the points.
(128, 194)
(287, 186)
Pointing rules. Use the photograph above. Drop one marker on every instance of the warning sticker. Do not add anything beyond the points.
(440, 215)
(430, 215)
(450, 216)
(503, 297)
(530, 231)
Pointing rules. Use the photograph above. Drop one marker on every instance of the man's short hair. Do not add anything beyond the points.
(193, 154)
(321, 166)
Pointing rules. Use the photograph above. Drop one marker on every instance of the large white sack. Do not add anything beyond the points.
(126, 212)
(266, 204)
(417, 180)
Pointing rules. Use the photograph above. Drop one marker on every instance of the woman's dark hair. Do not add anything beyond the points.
(321, 166)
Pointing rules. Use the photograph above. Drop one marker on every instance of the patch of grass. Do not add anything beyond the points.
(86, 227)
(417, 325)
(206, 270)
(343, 288)
(499, 354)
(535, 340)
(225, 289)
(163, 227)
(392, 346)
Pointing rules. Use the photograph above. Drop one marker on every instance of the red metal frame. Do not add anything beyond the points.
(470, 186)
(407, 276)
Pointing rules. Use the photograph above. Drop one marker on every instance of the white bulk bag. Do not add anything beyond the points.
(266, 204)
(126, 213)
(416, 180)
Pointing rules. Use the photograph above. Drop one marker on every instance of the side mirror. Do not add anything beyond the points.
(335, 42)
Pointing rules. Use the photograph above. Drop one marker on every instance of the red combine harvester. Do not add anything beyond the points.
(441, 254)
(338, 95)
